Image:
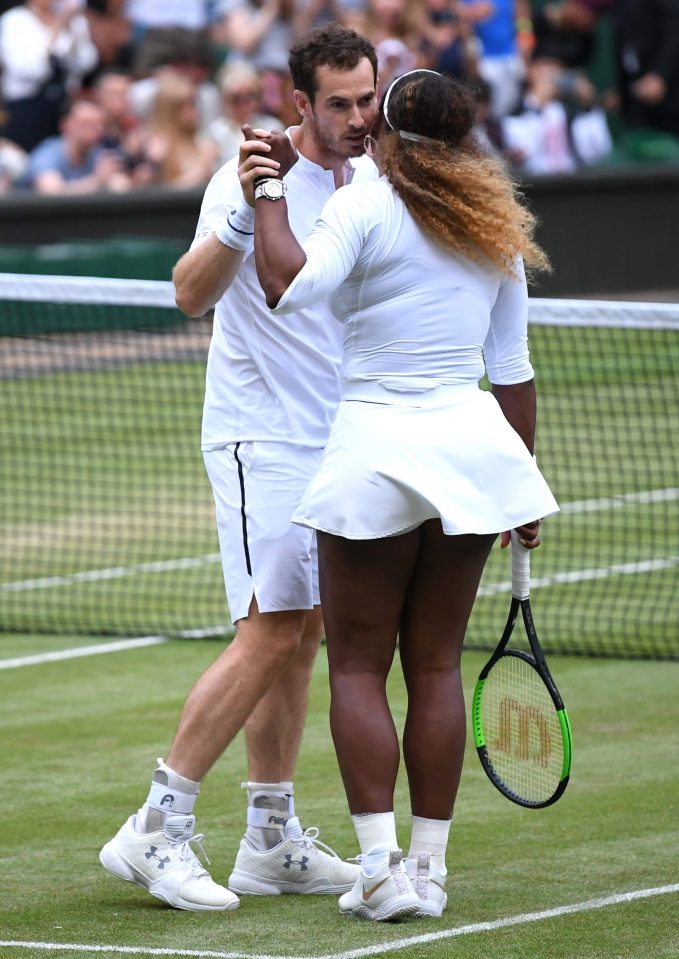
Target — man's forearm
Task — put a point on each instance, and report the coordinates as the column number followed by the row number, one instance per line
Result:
column 202, row 276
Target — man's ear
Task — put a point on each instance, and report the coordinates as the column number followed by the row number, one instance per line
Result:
column 303, row 104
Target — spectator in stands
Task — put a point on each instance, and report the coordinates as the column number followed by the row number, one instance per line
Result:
column 169, row 32
column 449, row 40
column 13, row 161
column 45, row 51
column 241, row 90
column 122, row 130
column 394, row 58
column 77, row 161
column 498, row 26
column 13, row 164
column 384, row 20
column 565, row 30
column 111, row 90
column 647, row 33
column 407, row 38
column 111, row 32
column 486, row 129
column 262, row 32
column 143, row 92
column 182, row 156
column 558, row 127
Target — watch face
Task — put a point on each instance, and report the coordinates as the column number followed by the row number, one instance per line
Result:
column 273, row 189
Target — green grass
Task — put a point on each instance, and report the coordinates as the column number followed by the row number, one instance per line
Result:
column 79, row 743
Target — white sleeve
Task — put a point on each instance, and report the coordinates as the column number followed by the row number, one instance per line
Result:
column 332, row 249
column 506, row 346
column 223, row 194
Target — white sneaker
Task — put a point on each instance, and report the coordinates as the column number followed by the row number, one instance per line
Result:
column 164, row 863
column 429, row 882
column 295, row 865
column 386, row 893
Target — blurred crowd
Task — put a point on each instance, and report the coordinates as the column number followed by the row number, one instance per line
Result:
column 113, row 95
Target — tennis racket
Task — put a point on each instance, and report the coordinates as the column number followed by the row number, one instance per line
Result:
column 521, row 728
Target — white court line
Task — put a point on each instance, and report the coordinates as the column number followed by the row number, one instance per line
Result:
column 615, row 502
column 113, row 572
column 586, row 575
column 77, row 651
column 187, row 562
column 376, row 950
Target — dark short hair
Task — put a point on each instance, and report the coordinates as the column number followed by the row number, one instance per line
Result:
column 330, row 45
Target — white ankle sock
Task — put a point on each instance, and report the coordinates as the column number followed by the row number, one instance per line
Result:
column 430, row 835
column 270, row 805
column 170, row 794
column 375, row 829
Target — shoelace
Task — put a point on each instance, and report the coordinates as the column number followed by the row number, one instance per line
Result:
column 309, row 838
column 182, row 846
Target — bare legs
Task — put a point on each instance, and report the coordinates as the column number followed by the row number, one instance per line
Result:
column 363, row 587
column 422, row 584
column 250, row 683
column 273, row 732
column 440, row 598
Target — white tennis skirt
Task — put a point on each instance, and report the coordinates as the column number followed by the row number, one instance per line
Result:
column 395, row 459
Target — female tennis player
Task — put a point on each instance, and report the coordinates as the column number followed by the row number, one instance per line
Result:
column 423, row 469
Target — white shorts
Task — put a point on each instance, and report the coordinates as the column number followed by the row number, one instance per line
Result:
column 257, row 486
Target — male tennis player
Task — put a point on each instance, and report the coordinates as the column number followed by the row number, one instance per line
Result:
column 271, row 392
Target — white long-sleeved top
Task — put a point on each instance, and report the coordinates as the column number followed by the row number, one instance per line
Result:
column 415, row 315
column 24, row 51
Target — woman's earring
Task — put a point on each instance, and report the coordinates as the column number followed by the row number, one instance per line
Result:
column 369, row 145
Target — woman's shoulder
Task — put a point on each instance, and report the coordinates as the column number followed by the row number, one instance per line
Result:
column 359, row 209
column 378, row 191
column 366, row 199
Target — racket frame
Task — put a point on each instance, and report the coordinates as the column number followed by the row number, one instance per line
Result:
column 535, row 659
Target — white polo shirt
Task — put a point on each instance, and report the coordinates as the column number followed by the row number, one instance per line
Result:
column 270, row 377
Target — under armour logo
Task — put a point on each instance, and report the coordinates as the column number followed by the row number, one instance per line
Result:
column 153, row 854
column 167, row 800
column 302, row 863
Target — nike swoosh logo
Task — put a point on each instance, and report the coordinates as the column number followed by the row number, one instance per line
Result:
column 367, row 893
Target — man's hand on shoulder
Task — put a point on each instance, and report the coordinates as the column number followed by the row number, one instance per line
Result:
column 263, row 153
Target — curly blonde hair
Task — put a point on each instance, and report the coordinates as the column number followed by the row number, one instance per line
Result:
column 462, row 197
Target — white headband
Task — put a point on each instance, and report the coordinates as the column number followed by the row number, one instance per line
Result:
column 417, row 137
column 393, row 83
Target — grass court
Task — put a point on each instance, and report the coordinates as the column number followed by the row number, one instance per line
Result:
column 79, row 745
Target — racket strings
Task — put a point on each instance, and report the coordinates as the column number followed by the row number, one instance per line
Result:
column 522, row 732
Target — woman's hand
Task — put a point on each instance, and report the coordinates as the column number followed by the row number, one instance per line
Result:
column 529, row 535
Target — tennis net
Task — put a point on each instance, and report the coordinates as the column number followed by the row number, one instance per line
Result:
column 106, row 515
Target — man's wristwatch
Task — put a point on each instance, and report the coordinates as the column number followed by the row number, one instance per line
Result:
column 270, row 188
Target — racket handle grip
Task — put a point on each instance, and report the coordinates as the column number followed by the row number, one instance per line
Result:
column 520, row 569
